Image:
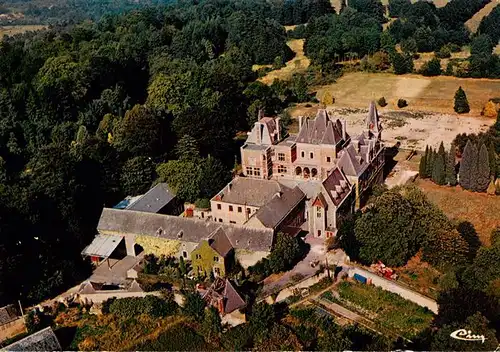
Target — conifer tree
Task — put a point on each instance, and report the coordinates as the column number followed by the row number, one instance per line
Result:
column 467, row 165
column 441, row 149
column 473, row 171
column 492, row 156
column 438, row 173
column 428, row 163
column 482, row 170
column 422, row 165
column 461, row 104
column 451, row 176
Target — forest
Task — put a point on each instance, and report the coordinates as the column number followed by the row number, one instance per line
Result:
column 93, row 112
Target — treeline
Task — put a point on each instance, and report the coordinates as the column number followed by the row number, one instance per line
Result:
column 61, row 12
column 94, row 112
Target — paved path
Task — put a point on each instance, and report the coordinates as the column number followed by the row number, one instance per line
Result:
column 316, row 253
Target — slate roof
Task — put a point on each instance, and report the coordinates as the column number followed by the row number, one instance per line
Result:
column 373, row 120
column 154, row 199
column 43, row 340
column 250, row 191
column 350, row 164
column 333, row 186
column 263, row 132
column 321, row 130
column 115, row 221
column 233, row 298
column 8, row 314
column 271, row 214
column 219, row 242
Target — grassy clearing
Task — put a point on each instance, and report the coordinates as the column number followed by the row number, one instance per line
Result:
column 389, row 310
column 424, row 57
column 474, row 21
column 482, row 210
column 298, row 64
column 422, row 93
column 420, row 276
column 13, row 30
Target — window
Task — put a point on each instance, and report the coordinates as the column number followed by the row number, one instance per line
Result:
column 239, row 209
column 319, row 233
column 311, row 155
column 318, row 212
column 184, row 254
column 281, row 169
column 202, row 215
column 216, row 259
column 217, row 271
column 248, row 210
column 281, row 156
column 199, row 268
column 303, row 154
column 328, row 159
column 256, row 171
column 230, row 208
column 263, row 158
column 232, row 222
column 249, row 171
column 198, row 256
column 220, row 220
column 219, row 207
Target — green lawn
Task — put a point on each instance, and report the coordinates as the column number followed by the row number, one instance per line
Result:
column 390, row 310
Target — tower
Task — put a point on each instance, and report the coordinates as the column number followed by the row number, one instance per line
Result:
column 373, row 126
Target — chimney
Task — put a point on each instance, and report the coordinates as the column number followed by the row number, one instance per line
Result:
column 300, row 123
column 258, row 127
column 278, row 129
column 344, row 127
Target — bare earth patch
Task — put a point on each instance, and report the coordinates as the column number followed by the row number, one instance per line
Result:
column 474, row 21
column 298, row 64
column 414, row 129
column 434, row 94
column 13, row 30
column 482, row 210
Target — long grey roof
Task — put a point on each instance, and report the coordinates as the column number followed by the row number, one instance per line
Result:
column 102, row 246
column 43, row 340
column 116, row 221
column 271, row 214
column 154, row 199
column 250, row 191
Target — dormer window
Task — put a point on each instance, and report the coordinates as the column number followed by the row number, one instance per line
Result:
column 302, row 154
column 159, row 232
column 179, row 235
column 311, row 155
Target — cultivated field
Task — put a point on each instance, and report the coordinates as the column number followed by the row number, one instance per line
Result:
column 433, row 94
column 13, row 30
column 475, row 20
column 299, row 63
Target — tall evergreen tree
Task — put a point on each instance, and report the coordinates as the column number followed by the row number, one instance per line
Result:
column 467, row 165
column 473, row 172
column 422, row 166
column 428, row 163
column 451, row 176
column 492, row 157
column 461, row 103
column 482, row 170
column 438, row 173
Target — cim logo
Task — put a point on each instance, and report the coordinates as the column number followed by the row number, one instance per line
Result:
column 466, row 335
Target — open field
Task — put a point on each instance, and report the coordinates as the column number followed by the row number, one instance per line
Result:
column 299, row 63
column 474, row 21
column 482, row 210
column 414, row 130
column 13, row 30
column 422, row 93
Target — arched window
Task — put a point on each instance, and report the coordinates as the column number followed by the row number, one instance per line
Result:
column 298, row 171
column 314, row 173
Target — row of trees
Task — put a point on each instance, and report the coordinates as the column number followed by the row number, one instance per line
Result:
column 439, row 165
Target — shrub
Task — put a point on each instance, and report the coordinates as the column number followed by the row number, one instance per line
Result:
column 431, row 67
column 382, row 102
column 151, row 305
column 402, row 103
column 203, row 203
column 461, row 103
column 443, row 53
